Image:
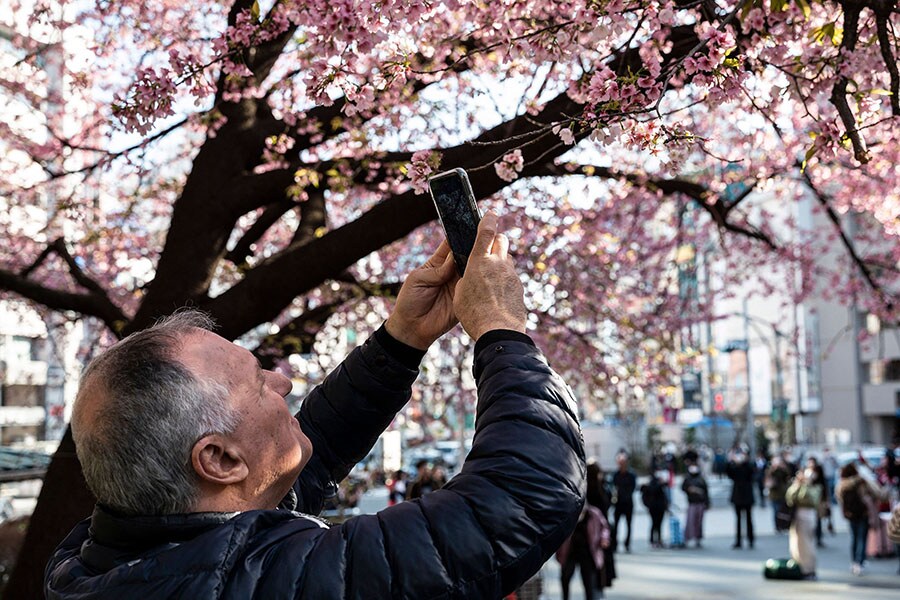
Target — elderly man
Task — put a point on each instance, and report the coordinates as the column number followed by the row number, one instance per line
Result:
column 205, row 482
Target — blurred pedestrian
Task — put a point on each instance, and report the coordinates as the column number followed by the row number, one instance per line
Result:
column 690, row 456
column 879, row 545
column 855, row 495
column 830, row 471
column 706, row 460
column 787, row 455
column 438, row 477
column 694, row 485
column 778, row 478
column 668, row 459
column 894, row 468
column 823, row 511
column 423, row 483
column 720, row 462
column 740, row 471
column 894, row 530
column 759, row 476
column 653, row 495
column 804, row 496
column 624, row 485
column 584, row 549
column 397, row 488
column 599, row 497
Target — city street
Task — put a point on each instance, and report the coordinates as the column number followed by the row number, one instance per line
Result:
column 717, row 572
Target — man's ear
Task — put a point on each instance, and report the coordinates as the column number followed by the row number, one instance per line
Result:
column 217, row 461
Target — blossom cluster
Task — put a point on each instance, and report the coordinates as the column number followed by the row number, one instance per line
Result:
column 509, row 167
column 422, row 165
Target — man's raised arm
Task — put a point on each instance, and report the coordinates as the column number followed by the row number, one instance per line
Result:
column 344, row 416
column 520, row 490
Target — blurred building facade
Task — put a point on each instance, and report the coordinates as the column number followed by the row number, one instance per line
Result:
column 820, row 372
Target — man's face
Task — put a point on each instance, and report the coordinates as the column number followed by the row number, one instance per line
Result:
column 268, row 437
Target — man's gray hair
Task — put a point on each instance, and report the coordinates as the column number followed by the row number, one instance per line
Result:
column 136, row 452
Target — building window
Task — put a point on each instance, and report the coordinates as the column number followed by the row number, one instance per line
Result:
column 892, row 370
column 882, row 371
column 25, row 348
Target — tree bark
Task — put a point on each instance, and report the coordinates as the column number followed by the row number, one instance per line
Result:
column 64, row 501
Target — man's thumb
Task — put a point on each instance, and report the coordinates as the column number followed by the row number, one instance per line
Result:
column 487, row 229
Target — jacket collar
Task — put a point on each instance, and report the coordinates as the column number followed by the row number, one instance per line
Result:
column 112, row 529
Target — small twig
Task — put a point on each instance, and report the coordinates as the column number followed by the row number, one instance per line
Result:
column 490, row 47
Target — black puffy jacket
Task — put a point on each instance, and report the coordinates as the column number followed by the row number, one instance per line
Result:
column 516, row 499
column 741, row 474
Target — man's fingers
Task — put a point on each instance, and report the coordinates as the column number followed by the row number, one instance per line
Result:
column 500, row 247
column 440, row 255
column 447, row 270
column 486, row 231
column 432, row 274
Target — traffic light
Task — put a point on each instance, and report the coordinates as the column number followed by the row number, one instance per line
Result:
column 719, row 405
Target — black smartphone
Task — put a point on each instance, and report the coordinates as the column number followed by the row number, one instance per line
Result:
column 459, row 215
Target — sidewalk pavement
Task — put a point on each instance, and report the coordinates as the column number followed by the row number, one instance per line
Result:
column 718, row 572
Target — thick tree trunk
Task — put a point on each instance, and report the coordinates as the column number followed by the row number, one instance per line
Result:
column 64, row 501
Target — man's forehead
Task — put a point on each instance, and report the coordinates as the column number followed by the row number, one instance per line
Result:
column 205, row 352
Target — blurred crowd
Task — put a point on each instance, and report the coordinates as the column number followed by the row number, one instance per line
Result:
column 806, row 490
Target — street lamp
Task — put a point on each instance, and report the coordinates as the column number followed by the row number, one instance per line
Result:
column 779, row 403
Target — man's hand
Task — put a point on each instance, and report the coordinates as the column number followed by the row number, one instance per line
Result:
column 424, row 309
column 490, row 295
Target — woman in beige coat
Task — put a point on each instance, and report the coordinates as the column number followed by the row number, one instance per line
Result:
column 804, row 495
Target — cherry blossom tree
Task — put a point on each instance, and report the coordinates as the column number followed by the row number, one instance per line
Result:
column 267, row 162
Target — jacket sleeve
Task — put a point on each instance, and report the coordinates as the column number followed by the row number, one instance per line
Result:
column 344, row 416
column 516, row 499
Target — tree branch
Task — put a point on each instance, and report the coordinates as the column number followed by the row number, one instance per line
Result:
column 114, row 317
column 839, row 91
column 110, row 156
column 27, row 271
column 85, row 304
column 884, row 41
column 243, row 249
column 847, row 242
column 313, row 217
column 298, row 336
column 718, row 210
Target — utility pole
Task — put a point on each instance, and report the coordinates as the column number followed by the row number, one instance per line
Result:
column 751, row 433
column 797, row 372
column 781, row 402
column 708, row 408
column 857, row 357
